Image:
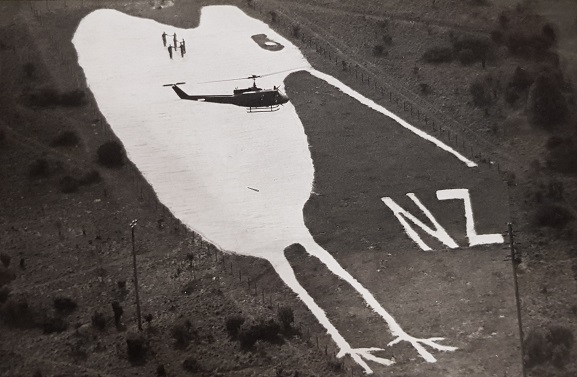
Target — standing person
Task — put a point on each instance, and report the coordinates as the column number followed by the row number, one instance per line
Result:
column 181, row 50
column 170, row 51
column 164, row 38
column 183, row 47
column 174, row 39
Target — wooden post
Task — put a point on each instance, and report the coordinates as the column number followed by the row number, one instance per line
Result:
column 514, row 260
column 132, row 226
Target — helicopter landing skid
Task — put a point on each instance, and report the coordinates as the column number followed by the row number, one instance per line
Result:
column 265, row 109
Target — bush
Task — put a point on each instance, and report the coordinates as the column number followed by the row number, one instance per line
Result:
column 286, row 316
column 552, row 216
column 251, row 332
column 438, row 55
column 98, row 321
column 17, row 312
column 6, row 276
column 136, row 348
column 50, row 97
column 296, row 30
column 65, row 139
column 546, row 103
column 5, row 259
column 273, row 16
column 110, row 154
column 481, row 93
column 233, row 324
column 562, row 155
column 425, row 88
column 68, row 184
column 379, row 50
column 93, row 176
column 478, row 46
column 54, row 324
column 190, row 364
column 182, row 334
column 551, row 345
column 4, row 294
column 466, row 56
column 39, row 168
column 64, row 305
column 118, row 311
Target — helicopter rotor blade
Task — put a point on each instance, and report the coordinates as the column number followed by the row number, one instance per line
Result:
column 253, row 77
column 177, row 83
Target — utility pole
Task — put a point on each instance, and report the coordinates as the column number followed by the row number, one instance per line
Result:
column 132, row 226
column 515, row 259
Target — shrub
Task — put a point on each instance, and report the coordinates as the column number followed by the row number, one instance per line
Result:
column 552, row 216
column 64, row 305
column 110, row 154
column 286, row 316
column 190, row 364
column 98, row 321
column 546, row 103
column 6, row 276
column 481, row 93
column 466, row 56
column 65, row 139
column 136, row 348
column 233, row 324
column 296, row 30
column 68, row 184
column 17, row 312
column 251, row 332
column 551, row 345
column 182, row 334
column 4, row 294
column 378, row 50
column 387, row 39
column 93, row 176
column 438, row 55
column 54, row 324
column 29, row 70
column 425, row 88
column 39, row 168
column 273, row 16
column 73, row 98
column 5, row 259
column 118, row 311
column 479, row 46
column 562, row 155
column 50, row 97
column 497, row 36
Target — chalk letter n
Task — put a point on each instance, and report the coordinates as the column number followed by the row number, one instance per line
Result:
column 402, row 215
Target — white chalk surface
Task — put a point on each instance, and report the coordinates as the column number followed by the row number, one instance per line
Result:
column 239, row 179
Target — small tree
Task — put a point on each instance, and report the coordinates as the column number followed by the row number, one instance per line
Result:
column 65, row 305
column 233, row 324
column 546, row 103
column 286, row 316
column 5, row 259
column 99, row 321
column 136, row 348
column 110, row 154
column 118, row 311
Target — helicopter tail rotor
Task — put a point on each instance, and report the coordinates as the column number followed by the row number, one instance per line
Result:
column 175, row 84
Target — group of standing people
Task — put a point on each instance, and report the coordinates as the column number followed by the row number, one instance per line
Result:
column 177, row 45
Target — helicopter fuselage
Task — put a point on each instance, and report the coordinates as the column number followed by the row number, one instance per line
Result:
column 252, row 97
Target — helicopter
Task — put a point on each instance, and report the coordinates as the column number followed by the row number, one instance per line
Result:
column 253, row 98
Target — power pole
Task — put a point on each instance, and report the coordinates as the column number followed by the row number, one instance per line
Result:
column 132, row 226
column 515, row 259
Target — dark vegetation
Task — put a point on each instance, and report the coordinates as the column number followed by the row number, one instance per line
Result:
column 438, row 54
column 39, row 169
column 111, row 154
column 65, row 139
column 552, row 216
column 65, row 305
column 136, row 348
column 260, row 330
column 54, row 325
column 68, row 184
column 50, row 97
column 98, row 321
column 551, row 345
column 182, row 334
column 232, row 325
column 562, row 154
column 5, row 259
